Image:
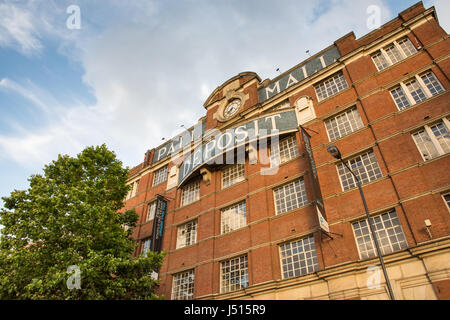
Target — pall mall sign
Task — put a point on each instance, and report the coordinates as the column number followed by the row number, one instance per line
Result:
column 179, row 142
column 158, row 224
column 299, row 73
column 224, row 142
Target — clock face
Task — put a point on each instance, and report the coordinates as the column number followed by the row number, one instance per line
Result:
column 232, row 108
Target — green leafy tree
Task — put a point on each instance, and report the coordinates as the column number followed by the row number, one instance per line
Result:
column 71, row 216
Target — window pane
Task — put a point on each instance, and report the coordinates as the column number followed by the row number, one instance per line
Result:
column 233, row 217
column 286, row 150
column 183, row 286
column 442, row 135
column 331, row 86
column 393, row 53
column 160, row 176
column 365, row 167
column 187, row 234
column 425, row 145
column 407, row 46
column 232, row 174
column 432, row 83
column 151, row 211
column 380, row 61
column 190, row 193
column 400, row 98
column 389, row 234
column 343, row 124
column 447, row 199
column 146, row 247
column 290, row 196
column 234, row 274
column 416, row 91
column 298, row 257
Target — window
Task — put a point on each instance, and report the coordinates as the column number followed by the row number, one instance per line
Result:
column 190, row 193
column 187, row 234
column 416, row 90
column 400, row 98
column 331, row 86
column 290, row 196
column 146, row 246
column 380, row 61
column 151, row 211
column 234, row 274
column 433, row 85
column 433, row 140
column 441, row 133
column 233, row 217
column 134, row 188
column 286, row 150
column 343, row 124
column 388, row 231
column 407, row 46
column 365, row 167
column 393, row 53
column 160, row 176
column 232, row 174
column 447, row 200
column 298, row 257
column 183, row 285
column 128, row 196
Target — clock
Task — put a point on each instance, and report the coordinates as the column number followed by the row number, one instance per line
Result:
column 232, row 108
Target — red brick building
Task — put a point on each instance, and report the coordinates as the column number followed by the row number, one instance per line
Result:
column 251, row 230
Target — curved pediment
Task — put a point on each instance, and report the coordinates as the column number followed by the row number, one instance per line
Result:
column 233, row 83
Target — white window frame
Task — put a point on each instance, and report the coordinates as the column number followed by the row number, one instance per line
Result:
column 287, row 146
column 421, row 84
column 383, row 55
column 151, row 211
column 146, row 243
column 398, row 41
column 432, row 138
column 160, row 175
column 234, row 217
column 190, row 188
column 187, row 237
column 347, row 160
column 134, row 188
column 369, row 234
column 386, row 56
column 340, row 75
column 184, row 289
column 359, row 124
column 232, row 174
column 303, row 196
column 445, row 201
column 128, row 196
column 244, row 270
column 310, row 257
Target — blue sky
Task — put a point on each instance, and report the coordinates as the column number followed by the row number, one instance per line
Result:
column 137, row 70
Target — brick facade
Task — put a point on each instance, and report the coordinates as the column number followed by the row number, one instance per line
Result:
column 414, row 187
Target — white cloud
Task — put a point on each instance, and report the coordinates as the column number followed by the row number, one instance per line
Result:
column 153, row 64
column 17, row 29
column 29, row 94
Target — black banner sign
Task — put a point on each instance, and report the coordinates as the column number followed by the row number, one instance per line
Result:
column 318, row 201
column 158, row 224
